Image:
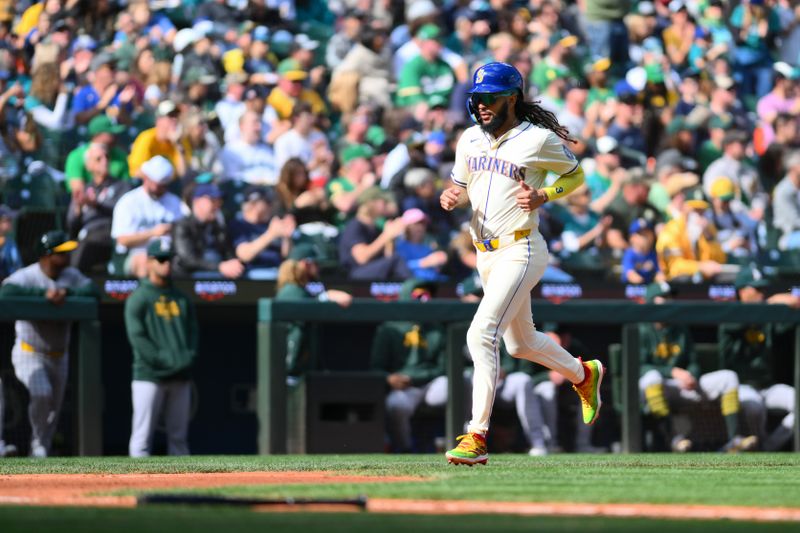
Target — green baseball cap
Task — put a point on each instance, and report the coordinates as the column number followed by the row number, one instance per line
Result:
column 355, row 151
column 720, row 122
column 429, row 31
column 750, row 276
column 103, row 124
column 160, row 248
column 375, row 193
column 56, row 242
column 375, row 135
column 304, row 250
column 679, row 123
column 659, row 289
column 654, row 72
column 291, row 70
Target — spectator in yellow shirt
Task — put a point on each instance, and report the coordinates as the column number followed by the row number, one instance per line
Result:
column 688, row 247
column 290, row 90
column 163, row 140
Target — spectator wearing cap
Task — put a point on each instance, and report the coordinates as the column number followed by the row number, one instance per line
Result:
column 231, row 107
column 356, row 177
column 162, row 140
column 786, row 204
column 41, row 350
column 680, row 135
column 146, row 212
column 271, row 127
column 553, row 65
column 90, row 213
column 687, row 246
column 630, row 205
column 626, row 126
column 304, row 142
column 102, row 131
column 101, row 93
column 261, row 238
column 365, row 251
column 290, row 90
column 351, row 24
column 597, row 78
column 419, row 249
column 426, row 74
column 583, row 229
column 783, row 98
column 202, row 245
column 249, row 159
column 10, row 260
column 260, row 60
column 679, row 35
column 755, row 26
column 197, row 85
column 367, row 68
column 736, row 231
column 303, row 49
column 733, row 165
column 640, row 261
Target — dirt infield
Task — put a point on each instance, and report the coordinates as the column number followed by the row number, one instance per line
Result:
column 84, row 490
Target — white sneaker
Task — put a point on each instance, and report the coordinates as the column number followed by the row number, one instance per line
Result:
column 537, row 451
column 37, row 450
column 7, row 450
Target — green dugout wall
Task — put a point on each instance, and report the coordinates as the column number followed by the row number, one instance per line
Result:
column 274, row 316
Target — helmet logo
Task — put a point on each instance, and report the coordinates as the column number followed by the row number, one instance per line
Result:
column 479, row 76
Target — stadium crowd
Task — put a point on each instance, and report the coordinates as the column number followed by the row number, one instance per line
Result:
column 245, row 127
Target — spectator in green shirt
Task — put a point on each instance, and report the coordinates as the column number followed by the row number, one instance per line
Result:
column 101, row 131
column 426, row 75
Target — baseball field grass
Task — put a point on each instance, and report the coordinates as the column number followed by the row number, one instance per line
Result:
column 752, row 480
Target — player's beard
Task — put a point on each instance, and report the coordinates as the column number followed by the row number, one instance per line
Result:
column 499, row 119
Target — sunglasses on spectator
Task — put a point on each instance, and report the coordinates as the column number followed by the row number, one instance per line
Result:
column 491, row 98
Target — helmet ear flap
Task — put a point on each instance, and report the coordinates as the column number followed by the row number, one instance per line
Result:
column 472, row 110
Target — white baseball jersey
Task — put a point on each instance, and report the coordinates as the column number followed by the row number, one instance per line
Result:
column 490, row 169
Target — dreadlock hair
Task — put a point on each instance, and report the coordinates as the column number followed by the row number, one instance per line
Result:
column 533, row 112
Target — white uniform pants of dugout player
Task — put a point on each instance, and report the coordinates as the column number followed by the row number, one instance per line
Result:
column 45, row 377
column 508, row 275
column 515, row 390
column 174, row 398
column 756, row 403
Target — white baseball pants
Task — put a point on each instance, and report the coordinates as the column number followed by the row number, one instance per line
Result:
column 508, row 276
column 45, row 377
column 149, row 399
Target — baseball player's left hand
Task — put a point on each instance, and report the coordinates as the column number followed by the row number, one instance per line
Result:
column 529, row 199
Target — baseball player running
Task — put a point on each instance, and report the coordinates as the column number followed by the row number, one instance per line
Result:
column 500, row 169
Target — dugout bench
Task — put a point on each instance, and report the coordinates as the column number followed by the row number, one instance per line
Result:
column 274, row 317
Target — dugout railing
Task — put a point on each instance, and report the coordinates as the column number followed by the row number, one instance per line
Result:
column 275, row 317
column 87, row 361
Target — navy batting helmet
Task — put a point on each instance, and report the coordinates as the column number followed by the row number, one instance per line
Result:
column 496, row 78
column 493, row 78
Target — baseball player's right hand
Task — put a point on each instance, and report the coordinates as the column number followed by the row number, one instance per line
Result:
column 161, row 229
column 449, row 198
column 398, row 381
column 56, row 296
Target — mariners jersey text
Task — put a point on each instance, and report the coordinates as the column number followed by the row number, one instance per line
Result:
column 494, row 164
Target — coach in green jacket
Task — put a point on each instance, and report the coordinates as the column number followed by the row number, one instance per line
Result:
column 162, row 329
